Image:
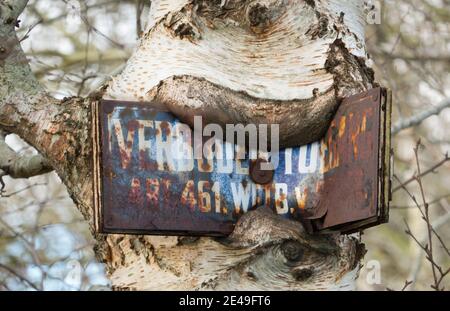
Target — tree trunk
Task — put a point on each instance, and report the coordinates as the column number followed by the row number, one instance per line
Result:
column 231, row 61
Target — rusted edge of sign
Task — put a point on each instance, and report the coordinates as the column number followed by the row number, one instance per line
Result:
column 96, row 167
column 385, row 156
column 385, row 171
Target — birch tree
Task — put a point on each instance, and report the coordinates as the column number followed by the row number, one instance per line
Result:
column 231, row 61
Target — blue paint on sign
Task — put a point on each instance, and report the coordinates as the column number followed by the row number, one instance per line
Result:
column 151, row 158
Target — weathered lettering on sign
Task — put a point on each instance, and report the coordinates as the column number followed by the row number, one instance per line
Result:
column 148, row 179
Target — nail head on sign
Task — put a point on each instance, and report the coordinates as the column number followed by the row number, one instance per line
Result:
column 259, row 175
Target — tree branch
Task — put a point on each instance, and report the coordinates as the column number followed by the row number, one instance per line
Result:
column 422, row 174
column 438, row 272
column 18, row 166
column 18, row 276
column 58, row 129
column 12, row 9
column 15, row 73
column 420, row 117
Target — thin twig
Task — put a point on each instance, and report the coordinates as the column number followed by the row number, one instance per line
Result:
column 28, row 245
column 17, row 275
column 27, row 34
column 20, row 190
column 2, row 183
column 407, row 283
column 431, row 230
column 405, row 286
column 139, row 8
column 437, row 200
column 420, row 175
column 427, row 215
column 97, row 31
column 420, row 117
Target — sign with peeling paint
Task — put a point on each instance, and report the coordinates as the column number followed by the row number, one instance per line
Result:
column 148, row 179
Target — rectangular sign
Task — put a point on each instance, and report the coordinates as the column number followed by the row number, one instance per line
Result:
column 149, row 181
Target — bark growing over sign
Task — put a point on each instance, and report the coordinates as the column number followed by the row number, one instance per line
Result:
column 264, row 61
column 268, row 61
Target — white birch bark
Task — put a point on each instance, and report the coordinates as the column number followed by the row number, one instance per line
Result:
column 232, row 61
column 235, row 61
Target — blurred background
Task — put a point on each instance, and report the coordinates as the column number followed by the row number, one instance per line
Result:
column 76, row 46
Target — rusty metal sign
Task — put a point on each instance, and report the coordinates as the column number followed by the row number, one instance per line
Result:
column 142, row 185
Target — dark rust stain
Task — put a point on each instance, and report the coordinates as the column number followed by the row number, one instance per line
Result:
column 357, row 172
column 165, row 127
column 206, row 167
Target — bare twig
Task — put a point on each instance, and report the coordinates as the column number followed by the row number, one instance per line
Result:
column 82, row 11
column 18, row 276
column 421, row 116
column 26, row 35
column 438, row 272
column 28, row 244
column 140, row 4
column 2, row 195
column 96, row 30
column 437, row 200
column 435, row 225
column 427, row 216
column 2, row 183
column 422, row 174
column 407, row 283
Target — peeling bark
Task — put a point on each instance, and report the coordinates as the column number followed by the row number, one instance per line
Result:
column 262, row 61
